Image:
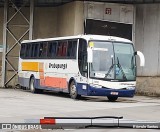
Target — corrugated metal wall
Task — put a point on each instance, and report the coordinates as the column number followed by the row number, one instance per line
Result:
column 148, row 38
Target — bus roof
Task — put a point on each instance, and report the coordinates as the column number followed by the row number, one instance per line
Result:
column 87, row 37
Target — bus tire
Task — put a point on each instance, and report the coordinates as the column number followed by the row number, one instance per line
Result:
column 32, row 87
column 24, row 88
column 73, row 91
column 112, row 98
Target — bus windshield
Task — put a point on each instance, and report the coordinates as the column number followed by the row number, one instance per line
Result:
column 113, row 60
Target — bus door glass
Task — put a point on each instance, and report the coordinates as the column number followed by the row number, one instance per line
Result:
column 82, row 57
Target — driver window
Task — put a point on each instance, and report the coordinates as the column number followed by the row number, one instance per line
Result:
column 82, row 57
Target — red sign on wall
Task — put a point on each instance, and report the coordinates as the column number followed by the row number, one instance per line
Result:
column 108, row 11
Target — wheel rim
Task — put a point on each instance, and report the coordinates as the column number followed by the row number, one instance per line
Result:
column 32, row 86
column 73, row 90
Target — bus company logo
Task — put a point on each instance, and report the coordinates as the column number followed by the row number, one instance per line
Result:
column 57, row 66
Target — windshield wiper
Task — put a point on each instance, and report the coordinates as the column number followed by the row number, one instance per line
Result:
column 119, row 65
column 111, row 67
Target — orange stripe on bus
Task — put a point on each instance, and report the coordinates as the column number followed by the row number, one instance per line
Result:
column 56, row 82
column 30, row 66
column 41, row 74
column 41, row 67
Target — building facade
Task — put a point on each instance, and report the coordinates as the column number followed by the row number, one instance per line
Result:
column 139, row 23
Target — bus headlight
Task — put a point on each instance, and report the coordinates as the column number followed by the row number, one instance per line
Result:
column 130, row 88
column 95, row 86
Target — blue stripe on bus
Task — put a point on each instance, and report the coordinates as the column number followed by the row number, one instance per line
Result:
column 107, row 92
column 92, row 91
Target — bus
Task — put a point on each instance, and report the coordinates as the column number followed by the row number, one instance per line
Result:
column 82, row 65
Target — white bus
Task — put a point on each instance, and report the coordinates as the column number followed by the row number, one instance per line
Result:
column 89, row 65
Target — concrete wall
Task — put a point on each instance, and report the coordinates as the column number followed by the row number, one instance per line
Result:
column 70, row 19
column 58, row 21
column 148, row 41
column 79, row 18
column 148, row 86
column 1, row 32
column 66, row 18
column 1, row 25
column 148, row 38
column 45, row 22
column 49, row 22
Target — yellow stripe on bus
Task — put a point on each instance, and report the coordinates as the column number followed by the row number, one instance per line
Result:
column 30, row 66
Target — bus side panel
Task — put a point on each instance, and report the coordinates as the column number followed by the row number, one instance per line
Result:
column 23, row 81
column 27, row 68
column 38, row 86
column 82, row 88
column 59, row 72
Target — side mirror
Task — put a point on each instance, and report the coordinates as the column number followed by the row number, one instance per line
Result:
column 141, row 56
column 89, row 55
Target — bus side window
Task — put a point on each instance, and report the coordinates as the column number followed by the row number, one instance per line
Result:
column 52, row 49
column 62, row 49
column 40, row 49
column 59, row 52
column 72, row 48
column 28, row 51
column 43, row 49
column 34, row 51
column 82, row 57
column 23, row 50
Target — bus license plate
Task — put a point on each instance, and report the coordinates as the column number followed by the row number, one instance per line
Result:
column 114, row 93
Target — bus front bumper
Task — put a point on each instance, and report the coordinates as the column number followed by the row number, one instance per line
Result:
column 92, row 91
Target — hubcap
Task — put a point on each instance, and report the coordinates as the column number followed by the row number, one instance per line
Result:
column 73, row 90
column 32, row 87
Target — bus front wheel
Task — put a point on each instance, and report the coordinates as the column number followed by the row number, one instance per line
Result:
column 112, row 98
column 73, row 91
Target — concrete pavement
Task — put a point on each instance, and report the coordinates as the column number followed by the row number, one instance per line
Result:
column 18, row 105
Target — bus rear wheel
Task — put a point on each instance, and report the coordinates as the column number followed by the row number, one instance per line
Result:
column 112, row 98
column 73, row 91
column 32, row 86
